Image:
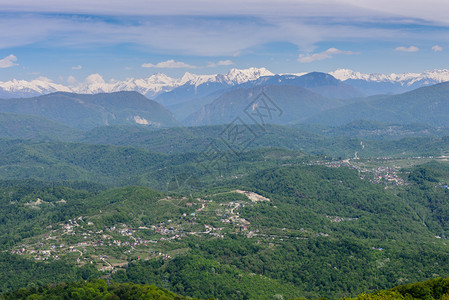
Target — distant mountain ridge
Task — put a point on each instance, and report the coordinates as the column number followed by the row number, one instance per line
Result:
column 426, row 105
column 150, row 87
column 375, row 83
column 321, row 83
column 159, row 83
column 407, row 79
column 185, row 100
column 295, row 102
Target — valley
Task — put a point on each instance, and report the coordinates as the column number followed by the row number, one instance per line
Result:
column 281, row 186
column 257, row 215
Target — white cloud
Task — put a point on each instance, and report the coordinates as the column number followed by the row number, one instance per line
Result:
column 308, row 58
column 431, row 10
column 407, row 49
column 94, row 79
column 437, row 48
column 197, row 36
column 197, row 30
column 78, row 67
column 226, row 62
column 43, row 78
column 169, row 64
column 8, row 61
column 72, row 80
column 428, row 10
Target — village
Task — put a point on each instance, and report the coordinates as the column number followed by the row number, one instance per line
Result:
column 113, row 247
column 382, row 170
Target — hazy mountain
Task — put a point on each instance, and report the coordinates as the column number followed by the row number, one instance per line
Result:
column 199, row 86
column 428, row 105
column 184, row 109
column 88, row 111
column 295, row 103
column 321, row 83
column 16, row 126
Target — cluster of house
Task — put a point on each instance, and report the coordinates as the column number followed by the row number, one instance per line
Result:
column 386, row 174
column 111, row 236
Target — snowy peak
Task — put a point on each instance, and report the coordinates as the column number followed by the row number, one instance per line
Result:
column 408, row 79
column 234, row 76
column 196, row 80
column 38, row 86
column 238, row 76
column 345, row 74
column 160, row 78
column 152, row 86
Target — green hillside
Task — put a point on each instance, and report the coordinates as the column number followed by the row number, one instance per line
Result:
column 96, row 289
column 433, row 289
column 15, row 126
column 426, row 105
column 377, row 139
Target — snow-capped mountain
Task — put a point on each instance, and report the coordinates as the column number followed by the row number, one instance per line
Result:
column 236, row 76
column 159, row 83
column 151, row 86
column 435, row 76
column 392, row 83
column 36, row 87
column 192, row 86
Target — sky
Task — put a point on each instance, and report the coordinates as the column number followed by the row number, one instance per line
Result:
column 69, row 40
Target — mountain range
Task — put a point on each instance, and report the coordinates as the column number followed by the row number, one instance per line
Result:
column 151, row 87
column 288, row 104
column 198, row 100
column 187, row 100
column 426, row 105
column 159, row 84
column 85, row 111
column 373, row 84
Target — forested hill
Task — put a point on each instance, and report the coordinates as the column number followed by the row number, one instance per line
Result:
column 96, row 289
column 435, row 289
column 87, row 111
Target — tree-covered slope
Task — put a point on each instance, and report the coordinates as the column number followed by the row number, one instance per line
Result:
column 428, row 105
column 88, row 111
column 96, row 289
column 15, row 126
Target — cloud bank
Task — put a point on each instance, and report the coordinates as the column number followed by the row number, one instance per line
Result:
column 8, row 61
column 407, row 49
column 308, row 58
column 169, row 64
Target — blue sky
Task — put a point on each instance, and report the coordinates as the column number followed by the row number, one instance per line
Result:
column 122, row 39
